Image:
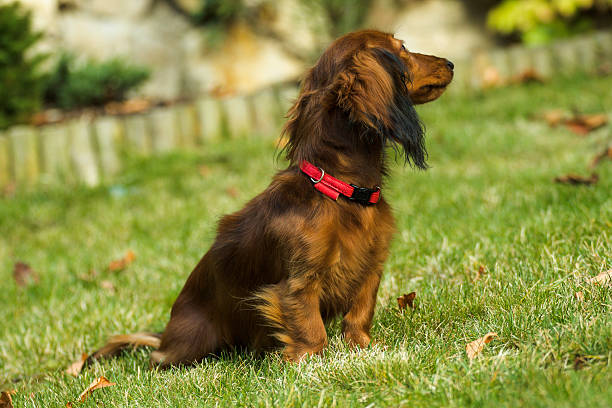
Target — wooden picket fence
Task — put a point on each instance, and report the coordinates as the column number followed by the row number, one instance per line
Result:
column 90, row 149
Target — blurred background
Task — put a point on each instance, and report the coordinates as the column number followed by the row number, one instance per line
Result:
column 60, row 59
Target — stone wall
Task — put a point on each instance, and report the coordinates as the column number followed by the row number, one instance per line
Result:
column 251, row 55
column 183, row 59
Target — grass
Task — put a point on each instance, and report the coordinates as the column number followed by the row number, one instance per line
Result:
column 488, row 199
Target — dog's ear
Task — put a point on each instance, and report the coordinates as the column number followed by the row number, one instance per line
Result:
column 373, row 91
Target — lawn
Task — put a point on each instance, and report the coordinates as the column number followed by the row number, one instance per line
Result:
column 489, row 199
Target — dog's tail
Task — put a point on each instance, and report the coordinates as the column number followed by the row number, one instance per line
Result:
column 268, row 303
column 117, row 344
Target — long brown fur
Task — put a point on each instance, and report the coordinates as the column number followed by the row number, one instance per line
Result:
column 292, row 258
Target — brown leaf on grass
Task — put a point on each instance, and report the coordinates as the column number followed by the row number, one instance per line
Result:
column 575, row 179
column 89, row 276
column 605, row 154
column 604, row 69
column 204, row 170
column 108, row 285
column 6, row 400
column 120, row 264
column 554, row 117
column 579, row 296
column 583, row 124
column 406, row 300
column 491, row 78
column 9, row 189
column 76, row 367
column 480, row 272
column 24, row 275
column 529, row 75
column 232, row 192
column 474, row 348
column 603, row 279
column 96, row 384
column 580, row 362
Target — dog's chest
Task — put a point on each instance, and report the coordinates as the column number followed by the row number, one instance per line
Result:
column 352, row 246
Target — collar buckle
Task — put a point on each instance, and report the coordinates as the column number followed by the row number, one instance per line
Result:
column 362, row 194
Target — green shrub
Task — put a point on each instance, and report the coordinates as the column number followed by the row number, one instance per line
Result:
column 343, row 16
column 21, row 81
column 71, row 86
column 540, row 21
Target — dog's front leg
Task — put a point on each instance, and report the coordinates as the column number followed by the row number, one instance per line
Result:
column 358, row 321
column 292, row 306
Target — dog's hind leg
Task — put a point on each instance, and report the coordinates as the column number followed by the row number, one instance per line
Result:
column 189, row 337
column 292, row 308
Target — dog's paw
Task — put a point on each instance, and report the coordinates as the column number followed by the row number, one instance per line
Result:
column 297, row 353
column 157, row 359
column 356, row 339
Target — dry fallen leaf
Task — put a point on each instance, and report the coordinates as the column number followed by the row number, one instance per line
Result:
column 474, row 348
column 204, row 170
column 554, row 117
column 76, row 367
column 121, row 264
column 98, row 383
column 9, row 189
column 232, row 191
column 491, row 77
column 604, row 69
column 580, row 362
column 6, row 401
column 583, row 124
column 579, row 296
column 127, row 107
column 89, row 276
column 24, row 275
column 576, row 179
column 606, row 154
column 406, row 300
column 528, row 76
column 108, row 285
column 482, row 271
column 603, row 279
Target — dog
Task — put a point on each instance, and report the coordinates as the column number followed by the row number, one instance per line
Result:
column 312, row 245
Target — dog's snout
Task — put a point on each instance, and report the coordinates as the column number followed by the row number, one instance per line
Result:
column 450, row 65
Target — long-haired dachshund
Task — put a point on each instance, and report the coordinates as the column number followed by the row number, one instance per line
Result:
column 312, row 245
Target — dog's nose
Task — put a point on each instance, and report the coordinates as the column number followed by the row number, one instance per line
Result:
column 450, row 65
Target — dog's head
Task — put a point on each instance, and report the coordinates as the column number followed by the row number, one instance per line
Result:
column 375, row 80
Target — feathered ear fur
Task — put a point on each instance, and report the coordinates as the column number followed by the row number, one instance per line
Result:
column 372, row 90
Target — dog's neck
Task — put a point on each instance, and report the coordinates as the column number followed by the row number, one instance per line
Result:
column 344, row 150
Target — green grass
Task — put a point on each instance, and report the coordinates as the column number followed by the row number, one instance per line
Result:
column 488, row 198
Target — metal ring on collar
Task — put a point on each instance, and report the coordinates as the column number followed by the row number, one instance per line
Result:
column 322, row 175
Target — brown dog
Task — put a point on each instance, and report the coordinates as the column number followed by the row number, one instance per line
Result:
column 311, row 246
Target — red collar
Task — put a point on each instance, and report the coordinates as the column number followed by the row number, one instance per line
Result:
column 332, row 187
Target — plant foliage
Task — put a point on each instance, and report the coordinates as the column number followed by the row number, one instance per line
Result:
column 21, row 80
column 71, row 86
column 343, row 15
column 539, row 21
